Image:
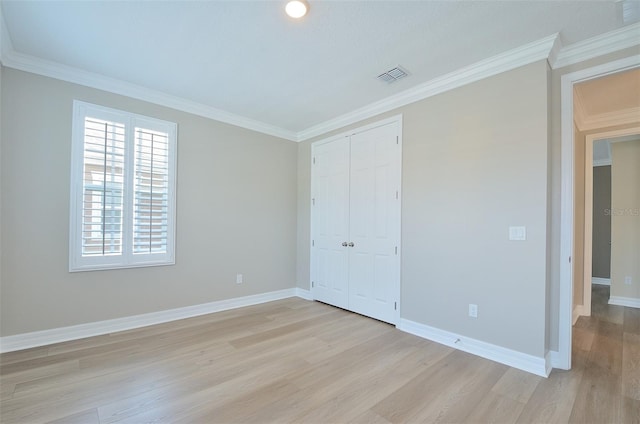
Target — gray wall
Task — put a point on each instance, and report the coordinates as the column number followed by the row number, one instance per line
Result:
column 236, row 206
column 601, row 254
column 474, row 163
column 303, row 270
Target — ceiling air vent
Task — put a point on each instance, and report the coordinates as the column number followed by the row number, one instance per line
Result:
column 629, row 11
column 392, row 75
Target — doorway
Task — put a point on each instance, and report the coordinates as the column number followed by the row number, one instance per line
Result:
column 597, row 250
column 568, row 204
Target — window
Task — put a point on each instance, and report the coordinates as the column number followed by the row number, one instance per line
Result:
column 122, row 190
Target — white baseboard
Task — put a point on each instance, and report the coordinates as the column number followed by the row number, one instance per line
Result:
column 547, row 363
column 578, row 311
column 512, row 358
column 631, row 302
column 63, row 334
column 554, row 361
column 304, row 294
column 601, row 281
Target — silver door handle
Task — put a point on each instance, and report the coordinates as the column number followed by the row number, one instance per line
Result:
column 351, row 244
column 344, row 244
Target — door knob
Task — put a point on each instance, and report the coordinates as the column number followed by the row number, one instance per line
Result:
column 351, row 244
column 344, row 243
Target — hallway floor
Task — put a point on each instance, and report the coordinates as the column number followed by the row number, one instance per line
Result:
column 606, row 352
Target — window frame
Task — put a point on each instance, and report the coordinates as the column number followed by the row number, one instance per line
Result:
column 127, row 258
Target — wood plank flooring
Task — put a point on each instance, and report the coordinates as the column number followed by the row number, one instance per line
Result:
column 299, row 361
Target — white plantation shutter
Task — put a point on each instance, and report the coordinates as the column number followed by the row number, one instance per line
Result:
column 151, row 187
column 122, row 190
column 103, row 181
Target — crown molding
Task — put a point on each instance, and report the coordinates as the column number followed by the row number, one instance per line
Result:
column 609, row 119
column 555, row 50
column 600, row 45
column 588, row 122
column 34, row 65
column 524, row 55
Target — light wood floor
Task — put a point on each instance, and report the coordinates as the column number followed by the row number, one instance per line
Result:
column 299, row 361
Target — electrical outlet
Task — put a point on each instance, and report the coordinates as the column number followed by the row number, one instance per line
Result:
column 238, row 278
column 473, row 310
column 627, row 281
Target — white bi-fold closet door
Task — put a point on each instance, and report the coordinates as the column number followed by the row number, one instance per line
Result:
column 355, row 220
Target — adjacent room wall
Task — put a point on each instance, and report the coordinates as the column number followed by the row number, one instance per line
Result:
column 236, row 213
column 474, row 163
column 601, row 265
column 625, row 219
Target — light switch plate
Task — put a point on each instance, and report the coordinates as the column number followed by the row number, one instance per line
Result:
column 473, row 310
column 517, row 233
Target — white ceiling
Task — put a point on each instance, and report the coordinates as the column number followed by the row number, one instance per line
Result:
column 247, row 58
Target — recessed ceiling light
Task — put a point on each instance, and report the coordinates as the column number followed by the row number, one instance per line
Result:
column 296, row 8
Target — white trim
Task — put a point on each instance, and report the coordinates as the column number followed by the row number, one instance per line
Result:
column 555, row 51
column 382, row 122
column 548, row 363
column 303, row 293
column 602, row 162
column 553, row 357
column 563, row 358
column 63, row 334
column 629, row 302
column 609, row 119
column 565, row 313
column 512, row 358
column 524, row 55
column 601, row 281
column 578, row 311
column 599, row 45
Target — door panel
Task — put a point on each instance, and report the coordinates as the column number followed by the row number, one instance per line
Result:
column 373, row 279
column 330, row 222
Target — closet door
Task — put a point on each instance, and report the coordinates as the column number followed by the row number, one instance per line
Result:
column 330, row 222
column 374, row 222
